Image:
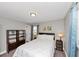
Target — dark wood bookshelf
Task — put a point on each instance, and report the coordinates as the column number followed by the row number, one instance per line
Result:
column 15, row 34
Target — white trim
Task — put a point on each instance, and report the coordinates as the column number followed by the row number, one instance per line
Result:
column 2, row 52
column 65, row 52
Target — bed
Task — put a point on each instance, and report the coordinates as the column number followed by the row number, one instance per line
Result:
column 43, row 46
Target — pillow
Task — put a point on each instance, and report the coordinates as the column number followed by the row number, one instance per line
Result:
column 49, row 37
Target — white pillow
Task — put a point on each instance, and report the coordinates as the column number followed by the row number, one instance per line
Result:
column 49, row 37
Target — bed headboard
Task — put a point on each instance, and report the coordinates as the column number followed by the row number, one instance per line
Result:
column 48, row 34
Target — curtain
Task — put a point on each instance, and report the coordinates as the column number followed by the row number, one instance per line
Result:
column 73, row 31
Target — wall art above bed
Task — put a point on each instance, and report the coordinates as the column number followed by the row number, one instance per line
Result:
column 47, row 28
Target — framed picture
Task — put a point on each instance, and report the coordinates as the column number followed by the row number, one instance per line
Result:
column 49, row 28
column 44, row 29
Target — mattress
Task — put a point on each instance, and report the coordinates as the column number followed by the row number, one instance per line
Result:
column 43, row 46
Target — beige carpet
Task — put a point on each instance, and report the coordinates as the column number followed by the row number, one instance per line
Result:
column 57, row 54
column 10, row 54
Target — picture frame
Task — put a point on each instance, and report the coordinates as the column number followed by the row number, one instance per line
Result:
column 49, row 28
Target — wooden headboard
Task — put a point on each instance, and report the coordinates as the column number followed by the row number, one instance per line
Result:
column 48, row 34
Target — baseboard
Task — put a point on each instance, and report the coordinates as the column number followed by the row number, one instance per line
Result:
column 2, row 52
column 65, row 52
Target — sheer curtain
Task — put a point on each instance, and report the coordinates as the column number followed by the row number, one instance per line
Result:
column 73, row 31
column 78, row 32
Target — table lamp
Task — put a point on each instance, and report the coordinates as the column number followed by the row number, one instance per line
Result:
column 61, row 34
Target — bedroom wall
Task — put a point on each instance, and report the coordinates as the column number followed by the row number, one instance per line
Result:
column 56, row 25
column 7, row 25
column 0, row 35
column 67, row 30
column 28, row 33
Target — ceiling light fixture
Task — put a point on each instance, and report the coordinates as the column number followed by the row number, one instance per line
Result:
column 32, row 14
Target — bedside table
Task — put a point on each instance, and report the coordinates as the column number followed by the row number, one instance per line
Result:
column 59, row 45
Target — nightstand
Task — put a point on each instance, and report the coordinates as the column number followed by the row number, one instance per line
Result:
column 59, row 45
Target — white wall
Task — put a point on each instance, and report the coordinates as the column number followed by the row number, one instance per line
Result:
column 28, row 33
column 0, row 36
column 57, row 27
column 8, row 25
column 67, row 30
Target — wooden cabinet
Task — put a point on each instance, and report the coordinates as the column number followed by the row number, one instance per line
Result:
column 59, row 45
column 15, row 38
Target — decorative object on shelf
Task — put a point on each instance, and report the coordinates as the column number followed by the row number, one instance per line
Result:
column 61, row 34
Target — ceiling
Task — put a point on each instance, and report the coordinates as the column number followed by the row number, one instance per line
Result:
column 46, row 11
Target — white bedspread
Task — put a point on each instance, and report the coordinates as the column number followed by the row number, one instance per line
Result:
column 43, row 47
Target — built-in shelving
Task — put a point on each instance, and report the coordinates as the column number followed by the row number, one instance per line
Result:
column 15, row 38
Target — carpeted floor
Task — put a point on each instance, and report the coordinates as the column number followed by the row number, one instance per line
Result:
column 57, row 54
column 10, row 54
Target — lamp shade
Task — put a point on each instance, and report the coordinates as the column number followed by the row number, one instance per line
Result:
column 61, row 34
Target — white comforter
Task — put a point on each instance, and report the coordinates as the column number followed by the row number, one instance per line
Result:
column 40, row 47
